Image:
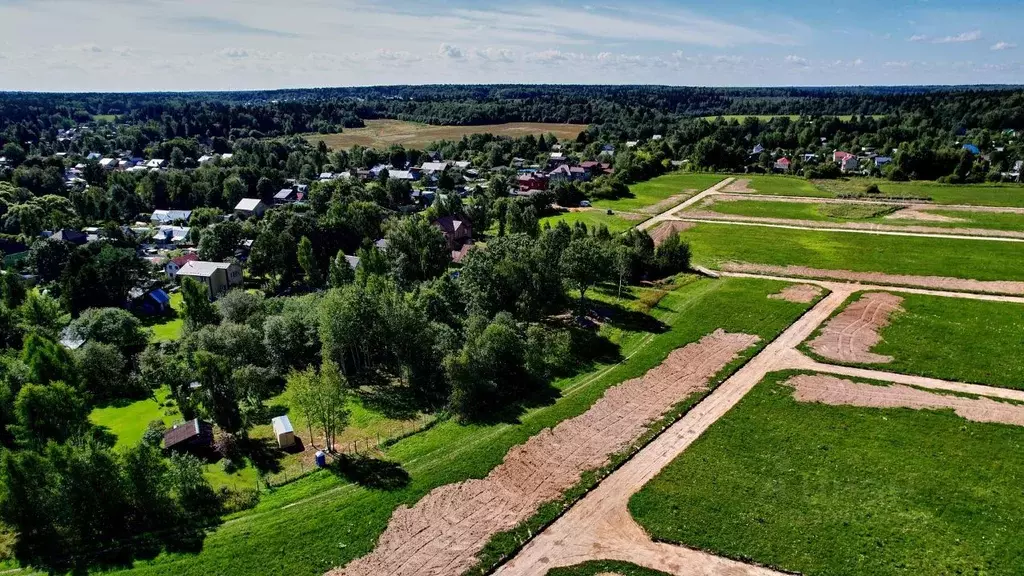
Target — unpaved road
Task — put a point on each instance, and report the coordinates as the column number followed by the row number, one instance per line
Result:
column 667, row 215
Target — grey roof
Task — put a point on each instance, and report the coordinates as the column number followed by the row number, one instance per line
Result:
column 284, row 194
column 434, row 166
column 202, row 269
column 248, row 204
column 282, row 425
column 353, row 261
column 170, row 215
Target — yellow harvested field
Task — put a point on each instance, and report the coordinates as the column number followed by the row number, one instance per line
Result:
column 384, row 133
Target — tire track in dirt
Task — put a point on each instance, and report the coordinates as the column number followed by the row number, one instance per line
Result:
column 443, row 532
column 842, row 392
column 849, row 337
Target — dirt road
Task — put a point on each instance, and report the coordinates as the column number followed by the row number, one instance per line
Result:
column 599, row 527
column 667, row 215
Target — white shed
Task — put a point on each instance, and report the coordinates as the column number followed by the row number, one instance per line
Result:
column 284, row 432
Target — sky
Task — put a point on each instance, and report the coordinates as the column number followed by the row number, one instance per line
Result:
column 178, row 45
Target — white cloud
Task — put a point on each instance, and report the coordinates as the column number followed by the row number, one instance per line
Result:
column 492, row 54
column 797, row 60
column 972, row 36
column 448, row 51
column 234, row 53
column 1003, row 46
column 918, row 38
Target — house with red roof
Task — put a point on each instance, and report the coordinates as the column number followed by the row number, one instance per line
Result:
column 783, row 164
column 175, row 264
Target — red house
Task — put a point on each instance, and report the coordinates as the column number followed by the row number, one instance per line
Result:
column 529, row 182
column 783, row 164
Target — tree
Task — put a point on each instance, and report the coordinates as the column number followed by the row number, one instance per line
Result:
column 114, row 326
column 49, row 257
column 307, row 260
column 673, row 256
column 197, row 308
column 490, row 370
column 48, row 361
column 41, row 314
column 417, row 250
column 585, row 262
column 320, row 398
column 100, row 275
column 213, row 372
column 242, row 307
column 340, row 272
column 49, row 412
column 103, row 371
column 220, row 241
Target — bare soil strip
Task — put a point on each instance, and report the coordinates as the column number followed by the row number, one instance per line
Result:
column 841, row 392
column 850, row 336
column 445, row 530
column 882, row 279
column 599, row 527
column 741, row 186
column 913, row 214
column 667, row 229
column 802, row 293
column 867, row 227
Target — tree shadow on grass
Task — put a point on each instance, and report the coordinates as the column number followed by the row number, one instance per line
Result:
column 392, row 400
column 370, row 472
column 264, row 454
column 631, row 320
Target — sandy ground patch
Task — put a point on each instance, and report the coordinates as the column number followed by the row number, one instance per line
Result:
column 932, row 282
column 445, row 530
column 850, row 336
column 802, row 293
column 668, row 228
column 739, row 186
column 865, row 226
column 668, row 203
column 842, row 392
column 914, row 214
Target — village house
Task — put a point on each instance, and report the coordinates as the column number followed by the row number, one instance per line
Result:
column 70, row 236
column 248, row 207
column 170, row 216
column 783, row 164
column 532, row 181
column 174, row 264
column 456, row 231
column 431, row 168
column 156, row 164
column 109, row 163
column 218, row 277
column 286, row 196
column 171, row 235
column 193, row 437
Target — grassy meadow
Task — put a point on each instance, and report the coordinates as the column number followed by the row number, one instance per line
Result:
column 714, row 244
column 593, row 219
column 974, row 341
column 383, row 133
column 968, row 194
column 649, row 193
column 167, row 328
column 322, row 520
column 838, row 490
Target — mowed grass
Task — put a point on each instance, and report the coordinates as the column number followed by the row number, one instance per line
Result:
column 605, row 567
column 863, row 212
column 974, row 341
column 384, row 133
column 653, row 191
column 321, row 521
column 165, row 329
column 968, row 194
column 782, row 186
column 837, row 490
column 593, row 219
column 714, row 244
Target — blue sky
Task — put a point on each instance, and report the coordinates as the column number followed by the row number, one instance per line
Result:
column 113, row 45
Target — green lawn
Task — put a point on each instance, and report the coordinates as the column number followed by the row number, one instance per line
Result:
column 837, row 490
column 593, row 219
column 973, row 341
column 169, row 327
column 870, row 213
column 782, row 186
column 714, row 244
column 655, row 190
column 970, row 194
column 320, row 521
column 128, row 422
column 604, row 567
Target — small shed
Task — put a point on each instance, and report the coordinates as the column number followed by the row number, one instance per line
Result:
column 194, row 437
column 284, row 432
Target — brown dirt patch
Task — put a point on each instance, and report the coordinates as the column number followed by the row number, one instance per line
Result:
column 841, row 392
column 739, row 186
column 914, row 214
column 668, row 203
column 931, row 282
column 851, row 334
column 669, row 228
column 802, row 293
column 445, row 530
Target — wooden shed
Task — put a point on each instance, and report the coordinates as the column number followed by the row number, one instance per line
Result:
column 284, row 432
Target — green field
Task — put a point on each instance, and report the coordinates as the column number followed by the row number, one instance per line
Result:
column 649, row 193
column 321, row 521
column 969, row 194
column 593, row 219
column 870, row 213
column 975, row 341
column 604, row 567
column 782, row 186
column 714, row 244
column 835, row 490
